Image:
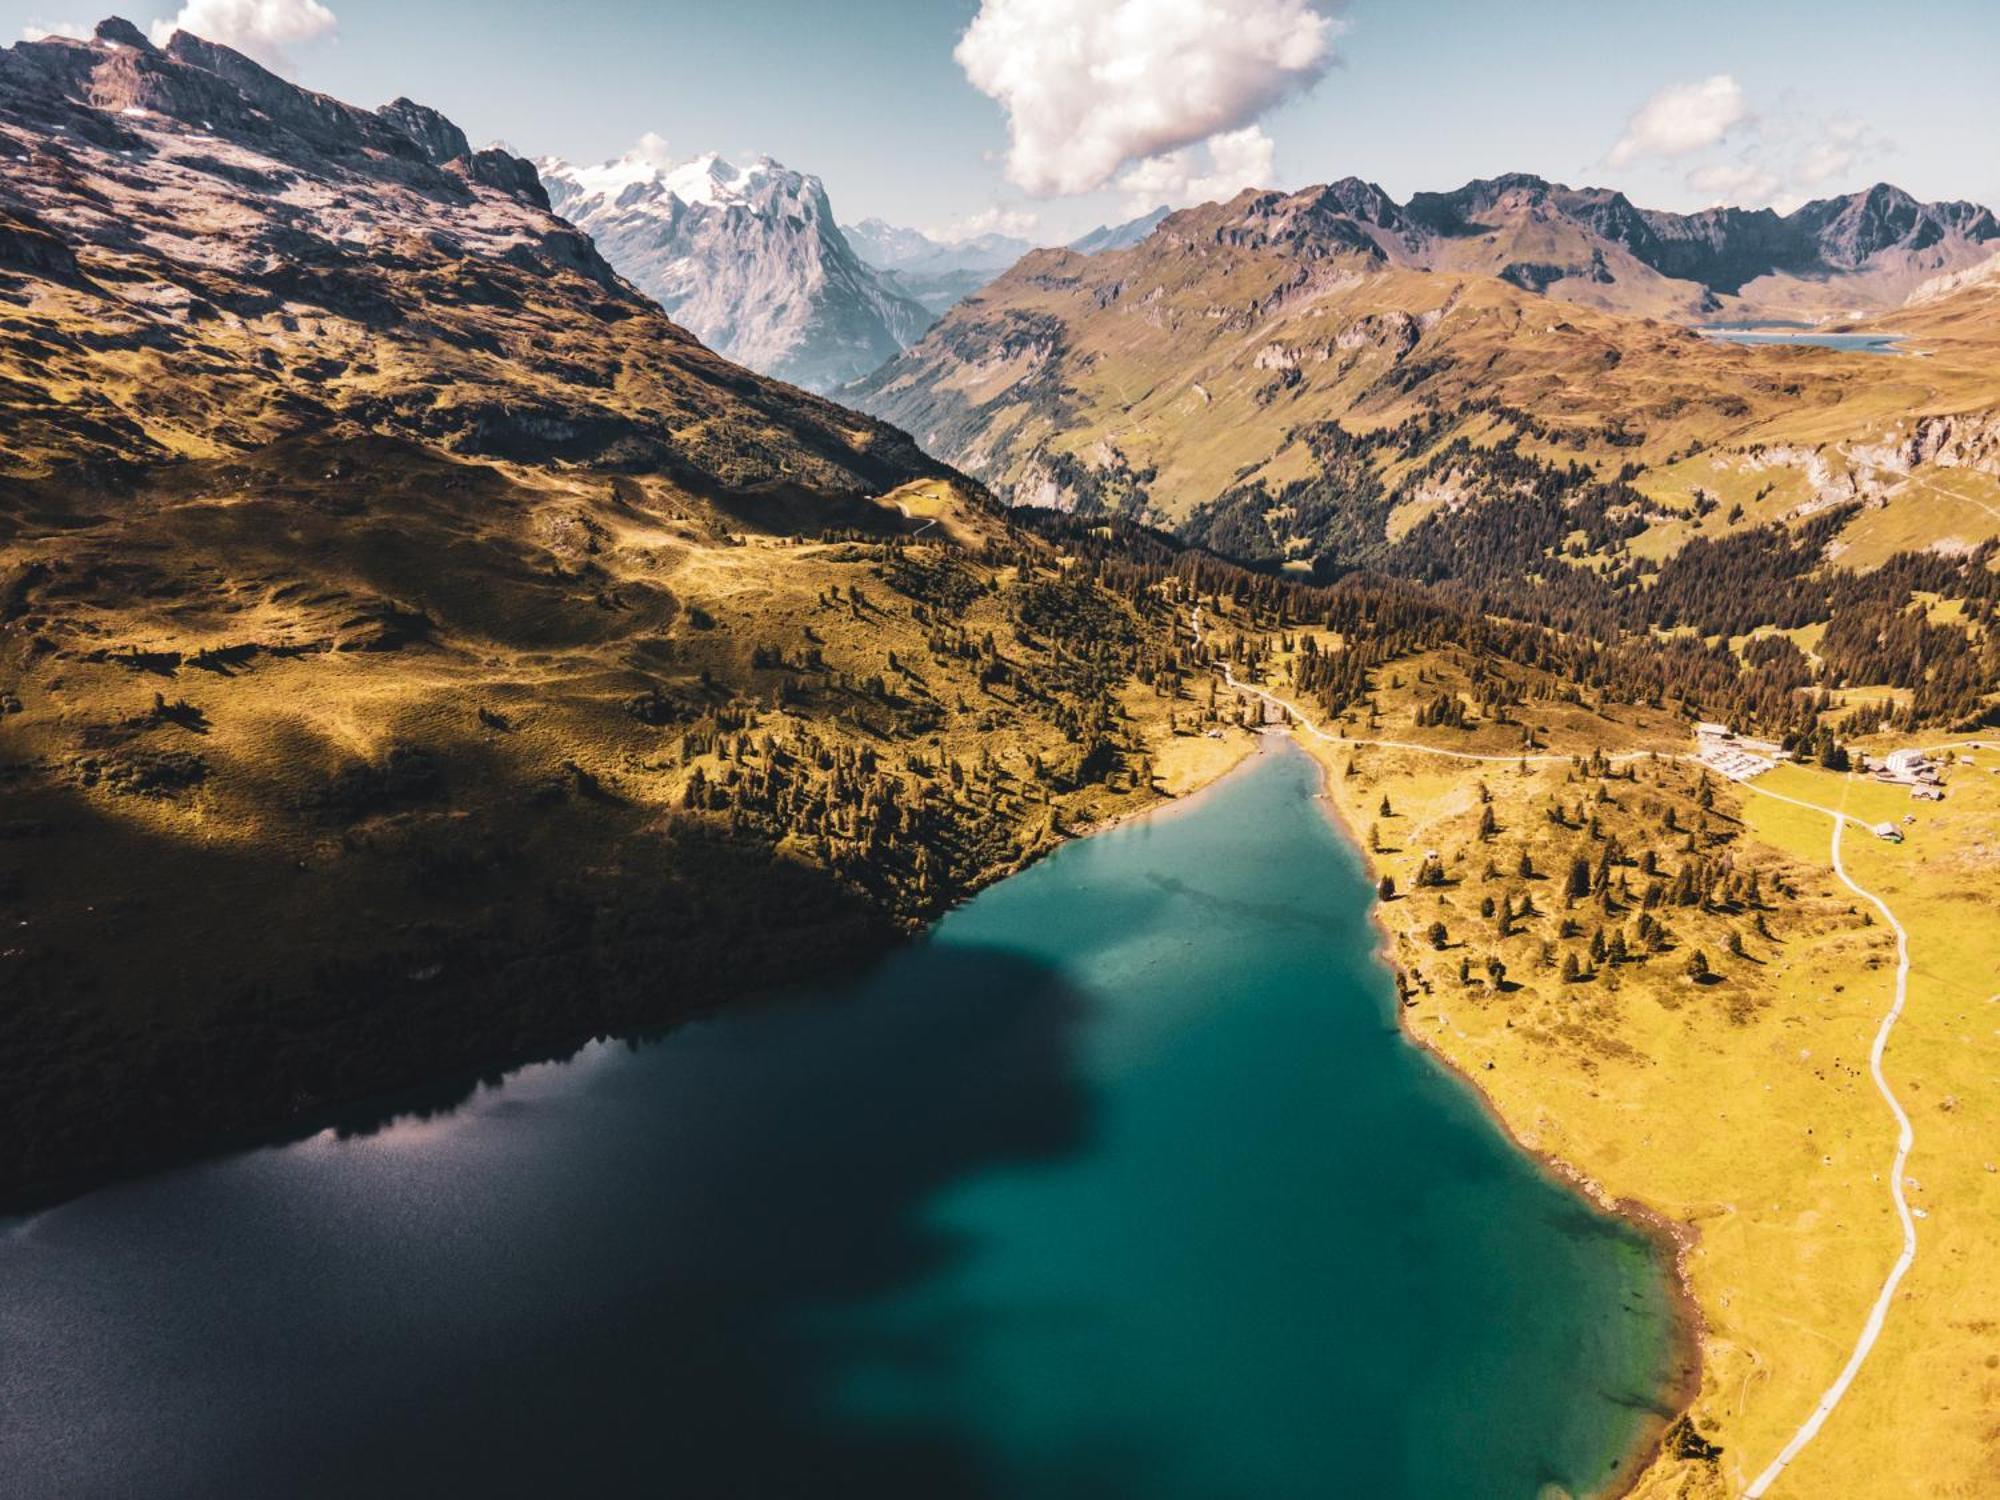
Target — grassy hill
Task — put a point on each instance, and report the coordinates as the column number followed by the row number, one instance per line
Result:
column 1192, row 371
column 417, row 652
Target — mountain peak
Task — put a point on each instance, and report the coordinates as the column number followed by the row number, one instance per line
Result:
column 119, row 84
column 294, row 265
column 441, row 139
column 748, row 257
column 116, row 31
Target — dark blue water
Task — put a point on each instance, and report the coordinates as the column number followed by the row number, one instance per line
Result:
column 1124, row 1184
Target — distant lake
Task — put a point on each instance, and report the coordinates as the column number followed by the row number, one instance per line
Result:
column 1801, row 333
column 1123, row 1184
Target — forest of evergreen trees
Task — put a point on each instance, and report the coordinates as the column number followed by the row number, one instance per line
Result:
column 1514, row 546
column 1606, row 644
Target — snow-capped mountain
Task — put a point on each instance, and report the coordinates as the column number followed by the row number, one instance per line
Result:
column 936, row 273
column 749, row 259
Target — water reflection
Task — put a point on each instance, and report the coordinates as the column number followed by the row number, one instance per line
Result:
column 586, row 1296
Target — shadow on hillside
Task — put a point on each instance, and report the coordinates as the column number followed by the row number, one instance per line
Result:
column 167, row 995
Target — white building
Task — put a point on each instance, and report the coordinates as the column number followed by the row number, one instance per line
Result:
column 1909, row 765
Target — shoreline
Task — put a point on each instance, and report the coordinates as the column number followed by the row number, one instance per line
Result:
column 448, row 1092
column 422, row 1089
column 1670, row 1240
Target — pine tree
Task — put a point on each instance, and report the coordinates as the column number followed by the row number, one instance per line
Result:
column 1579, row 878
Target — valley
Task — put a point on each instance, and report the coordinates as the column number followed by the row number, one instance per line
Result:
column 464, row 618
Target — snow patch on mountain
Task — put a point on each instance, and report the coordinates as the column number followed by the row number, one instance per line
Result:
column 748, row 258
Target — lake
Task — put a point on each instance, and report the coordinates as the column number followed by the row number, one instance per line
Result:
column 1801, row 333
column 1123, row 1183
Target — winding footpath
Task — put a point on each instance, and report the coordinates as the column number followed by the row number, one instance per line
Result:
column 1905, row 1133
column 1905, row 1139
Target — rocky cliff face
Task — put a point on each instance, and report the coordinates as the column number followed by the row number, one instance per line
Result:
column 749, row 258
column 199, row 257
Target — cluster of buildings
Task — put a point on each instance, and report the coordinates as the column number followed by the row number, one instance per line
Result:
column 1734, row 756
column 1913, row 769
column 1741, row 759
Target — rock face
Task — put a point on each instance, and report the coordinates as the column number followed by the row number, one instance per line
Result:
column 932, row 272
column 198, row 257
column 749, row 258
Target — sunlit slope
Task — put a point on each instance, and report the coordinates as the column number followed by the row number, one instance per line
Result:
column 1195, row 368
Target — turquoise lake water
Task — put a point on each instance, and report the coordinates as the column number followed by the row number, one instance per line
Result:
column 1124, row 1183
column 1802, row 333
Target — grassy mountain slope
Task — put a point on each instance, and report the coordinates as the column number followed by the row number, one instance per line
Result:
column 417, row 651
column 1199, row 368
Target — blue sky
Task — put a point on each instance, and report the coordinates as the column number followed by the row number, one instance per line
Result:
column 1765, row 102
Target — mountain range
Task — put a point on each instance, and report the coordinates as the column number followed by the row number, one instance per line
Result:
column 1595, row 247
column 942, row 273
column 749, row 259
column 936, row 273
column 1191, row 379
column 1119, row 236
column 254, row 262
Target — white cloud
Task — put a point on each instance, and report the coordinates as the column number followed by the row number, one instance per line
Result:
column 1738, row 184
column 1682, row 119
column 1237, row 159
column 1091, row 85
column 651, row 148
column 1825, row 160
column 41, row 31
column 263, row 29
column 1791, row 158
column 1017, row 223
